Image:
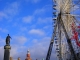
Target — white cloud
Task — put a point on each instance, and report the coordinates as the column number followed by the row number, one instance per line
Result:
column 19, row 40
column 12, row 9
column 44, row 20
column 39, row 11
column 37, row 32
column 46, row 27
column 3, row 30
column 13, row 51
column 2, row 15
column 9, row 11
column 35, row 41
column 43, row 10
column 23, row 29
column 2, row 41
column 27, row 19
column 1, row 52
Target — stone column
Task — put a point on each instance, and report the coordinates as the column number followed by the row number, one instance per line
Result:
column 7, row 52
column 7, row 48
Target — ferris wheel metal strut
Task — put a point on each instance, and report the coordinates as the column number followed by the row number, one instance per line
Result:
column 67, row 37
column 51, row 44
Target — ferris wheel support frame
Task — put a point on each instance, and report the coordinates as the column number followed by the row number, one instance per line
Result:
column 67, row 37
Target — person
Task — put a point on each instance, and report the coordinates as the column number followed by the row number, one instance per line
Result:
column 8, row 40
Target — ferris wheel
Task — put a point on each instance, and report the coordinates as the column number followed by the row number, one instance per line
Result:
column 66, row 34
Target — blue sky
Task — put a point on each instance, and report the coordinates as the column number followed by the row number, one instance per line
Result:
column 29, row 23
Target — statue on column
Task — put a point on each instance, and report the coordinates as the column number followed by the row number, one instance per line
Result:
column 8, row 40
